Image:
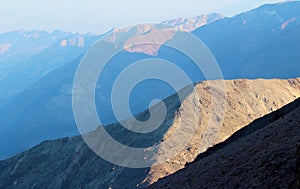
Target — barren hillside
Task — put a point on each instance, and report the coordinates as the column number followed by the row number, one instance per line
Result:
column 265, row 154
column 246, row 100
column 69, row 163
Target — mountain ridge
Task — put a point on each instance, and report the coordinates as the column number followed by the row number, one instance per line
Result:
column 65, row 162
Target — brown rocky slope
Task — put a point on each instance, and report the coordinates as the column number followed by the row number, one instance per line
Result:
column 246, row 100
column 265, row 154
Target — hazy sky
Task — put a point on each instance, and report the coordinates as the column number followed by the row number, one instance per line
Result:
column 98, row 16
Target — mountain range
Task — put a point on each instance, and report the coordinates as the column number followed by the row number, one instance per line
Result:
column 246, row 122
column 42, row 82
column 36, row 89
column 33, row 55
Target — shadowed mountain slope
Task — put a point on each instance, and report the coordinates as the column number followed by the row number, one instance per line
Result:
column 259, row 43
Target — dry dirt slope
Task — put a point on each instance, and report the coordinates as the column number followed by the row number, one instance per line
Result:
column 69, row 163
column 265, row 154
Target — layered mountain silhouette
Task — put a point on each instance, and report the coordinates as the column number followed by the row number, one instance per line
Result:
column 36, row 95
column 49, row 99
column 29, row 42
column 69, row 163
column 42, row 53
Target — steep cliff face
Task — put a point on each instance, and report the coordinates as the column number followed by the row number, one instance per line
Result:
column 265, row 154
column 69, row 163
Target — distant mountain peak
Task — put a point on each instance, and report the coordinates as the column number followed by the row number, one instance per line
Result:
column 132, row 37
column 188, row 25
column 157, row 33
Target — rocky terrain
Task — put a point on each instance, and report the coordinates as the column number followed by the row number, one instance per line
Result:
column 69, row 163
column 265, row 154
